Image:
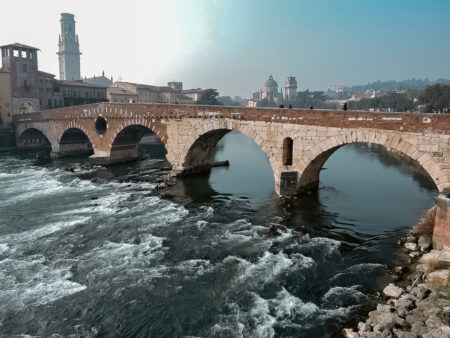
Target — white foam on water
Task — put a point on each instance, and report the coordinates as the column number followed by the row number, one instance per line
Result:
column 208, row 211
column 34, row 282
column 260, row 315
column 3, row 248
column 201, row 225
column 265, row 270
column 43, row 231
column 339, row 295
column 125, row 263
column 194, row 268
column 326, row 245
column 302, row 262
column 287, row 307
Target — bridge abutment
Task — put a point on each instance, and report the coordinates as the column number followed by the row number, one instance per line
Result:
column 441, row 231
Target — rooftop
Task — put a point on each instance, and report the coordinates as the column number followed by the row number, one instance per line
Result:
column 144, row 86
column 19, row 45
column 191, row 91
column 120, row 91
column 41, row 73
column 79, row 84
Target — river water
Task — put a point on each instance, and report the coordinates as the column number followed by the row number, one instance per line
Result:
column 104, row 255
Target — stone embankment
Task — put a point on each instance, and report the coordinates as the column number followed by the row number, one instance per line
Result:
column 420, row 306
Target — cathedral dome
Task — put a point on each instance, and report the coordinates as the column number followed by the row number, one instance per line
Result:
column 271, row 83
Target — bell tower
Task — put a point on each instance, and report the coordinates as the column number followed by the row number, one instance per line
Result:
column 69, row 49
column 290, row 89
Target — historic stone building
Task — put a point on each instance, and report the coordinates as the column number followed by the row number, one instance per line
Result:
column 55, row 93
column 290, row 89
column 100, row 80
column 194, row 93
column 271, row 94
column 69, row 49
column 128, row 92
column 5, row 100
column 20, row 62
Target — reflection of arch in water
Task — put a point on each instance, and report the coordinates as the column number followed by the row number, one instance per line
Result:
column 126, row 143
column 399, row 161
column 309, row 178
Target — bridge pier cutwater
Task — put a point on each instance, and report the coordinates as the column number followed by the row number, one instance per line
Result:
column 296, row 142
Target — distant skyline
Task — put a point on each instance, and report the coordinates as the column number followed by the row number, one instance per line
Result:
column 235, row 45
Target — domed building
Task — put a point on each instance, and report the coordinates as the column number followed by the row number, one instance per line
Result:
column 270, row 88
column 271, row 93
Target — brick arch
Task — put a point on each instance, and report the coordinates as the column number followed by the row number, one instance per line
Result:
column 135, row 122
column 48, row 135
column 213, row 132
column 314, row 158
column 75, row 125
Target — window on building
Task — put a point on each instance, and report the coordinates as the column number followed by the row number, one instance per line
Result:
column 16, row 53
column 23, row 54
column 25, row 84
column 24, row 68
column 287, row 151
column 49, row 103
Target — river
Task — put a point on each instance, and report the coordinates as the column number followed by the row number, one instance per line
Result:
column 102, row 255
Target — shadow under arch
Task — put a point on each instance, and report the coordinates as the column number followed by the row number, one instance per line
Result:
column 130, row 142
column 201, row 153
column 309, row 179
column 74, row 141
column 33, row 138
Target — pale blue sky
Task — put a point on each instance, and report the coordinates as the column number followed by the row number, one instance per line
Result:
column 234, row 45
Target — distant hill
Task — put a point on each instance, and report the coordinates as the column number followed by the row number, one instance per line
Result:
column 418, row 84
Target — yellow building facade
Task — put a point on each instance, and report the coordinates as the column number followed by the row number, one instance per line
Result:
column 5, row 100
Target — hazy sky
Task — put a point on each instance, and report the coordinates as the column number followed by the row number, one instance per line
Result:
column 234, row 45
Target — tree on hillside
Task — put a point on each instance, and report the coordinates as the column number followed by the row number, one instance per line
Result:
column 209, row 97
column 436, row 99
column 306, row 98
column 266, row 103
column 227, row 101
column 396, row 101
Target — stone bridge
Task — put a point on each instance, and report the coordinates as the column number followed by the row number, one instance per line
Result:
column 297, row 142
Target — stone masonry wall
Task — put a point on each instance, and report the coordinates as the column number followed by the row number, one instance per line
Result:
column 316, row 134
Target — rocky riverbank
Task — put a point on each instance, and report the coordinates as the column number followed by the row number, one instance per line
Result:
column 419, row 304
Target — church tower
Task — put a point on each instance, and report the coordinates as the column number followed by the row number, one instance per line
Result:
column 69, row 49
column 290, row 89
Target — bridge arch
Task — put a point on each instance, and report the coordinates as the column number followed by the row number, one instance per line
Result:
column 314, row 159
column 74, row 140
column 33, row 138
column 124, row 143
column 200, row 147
